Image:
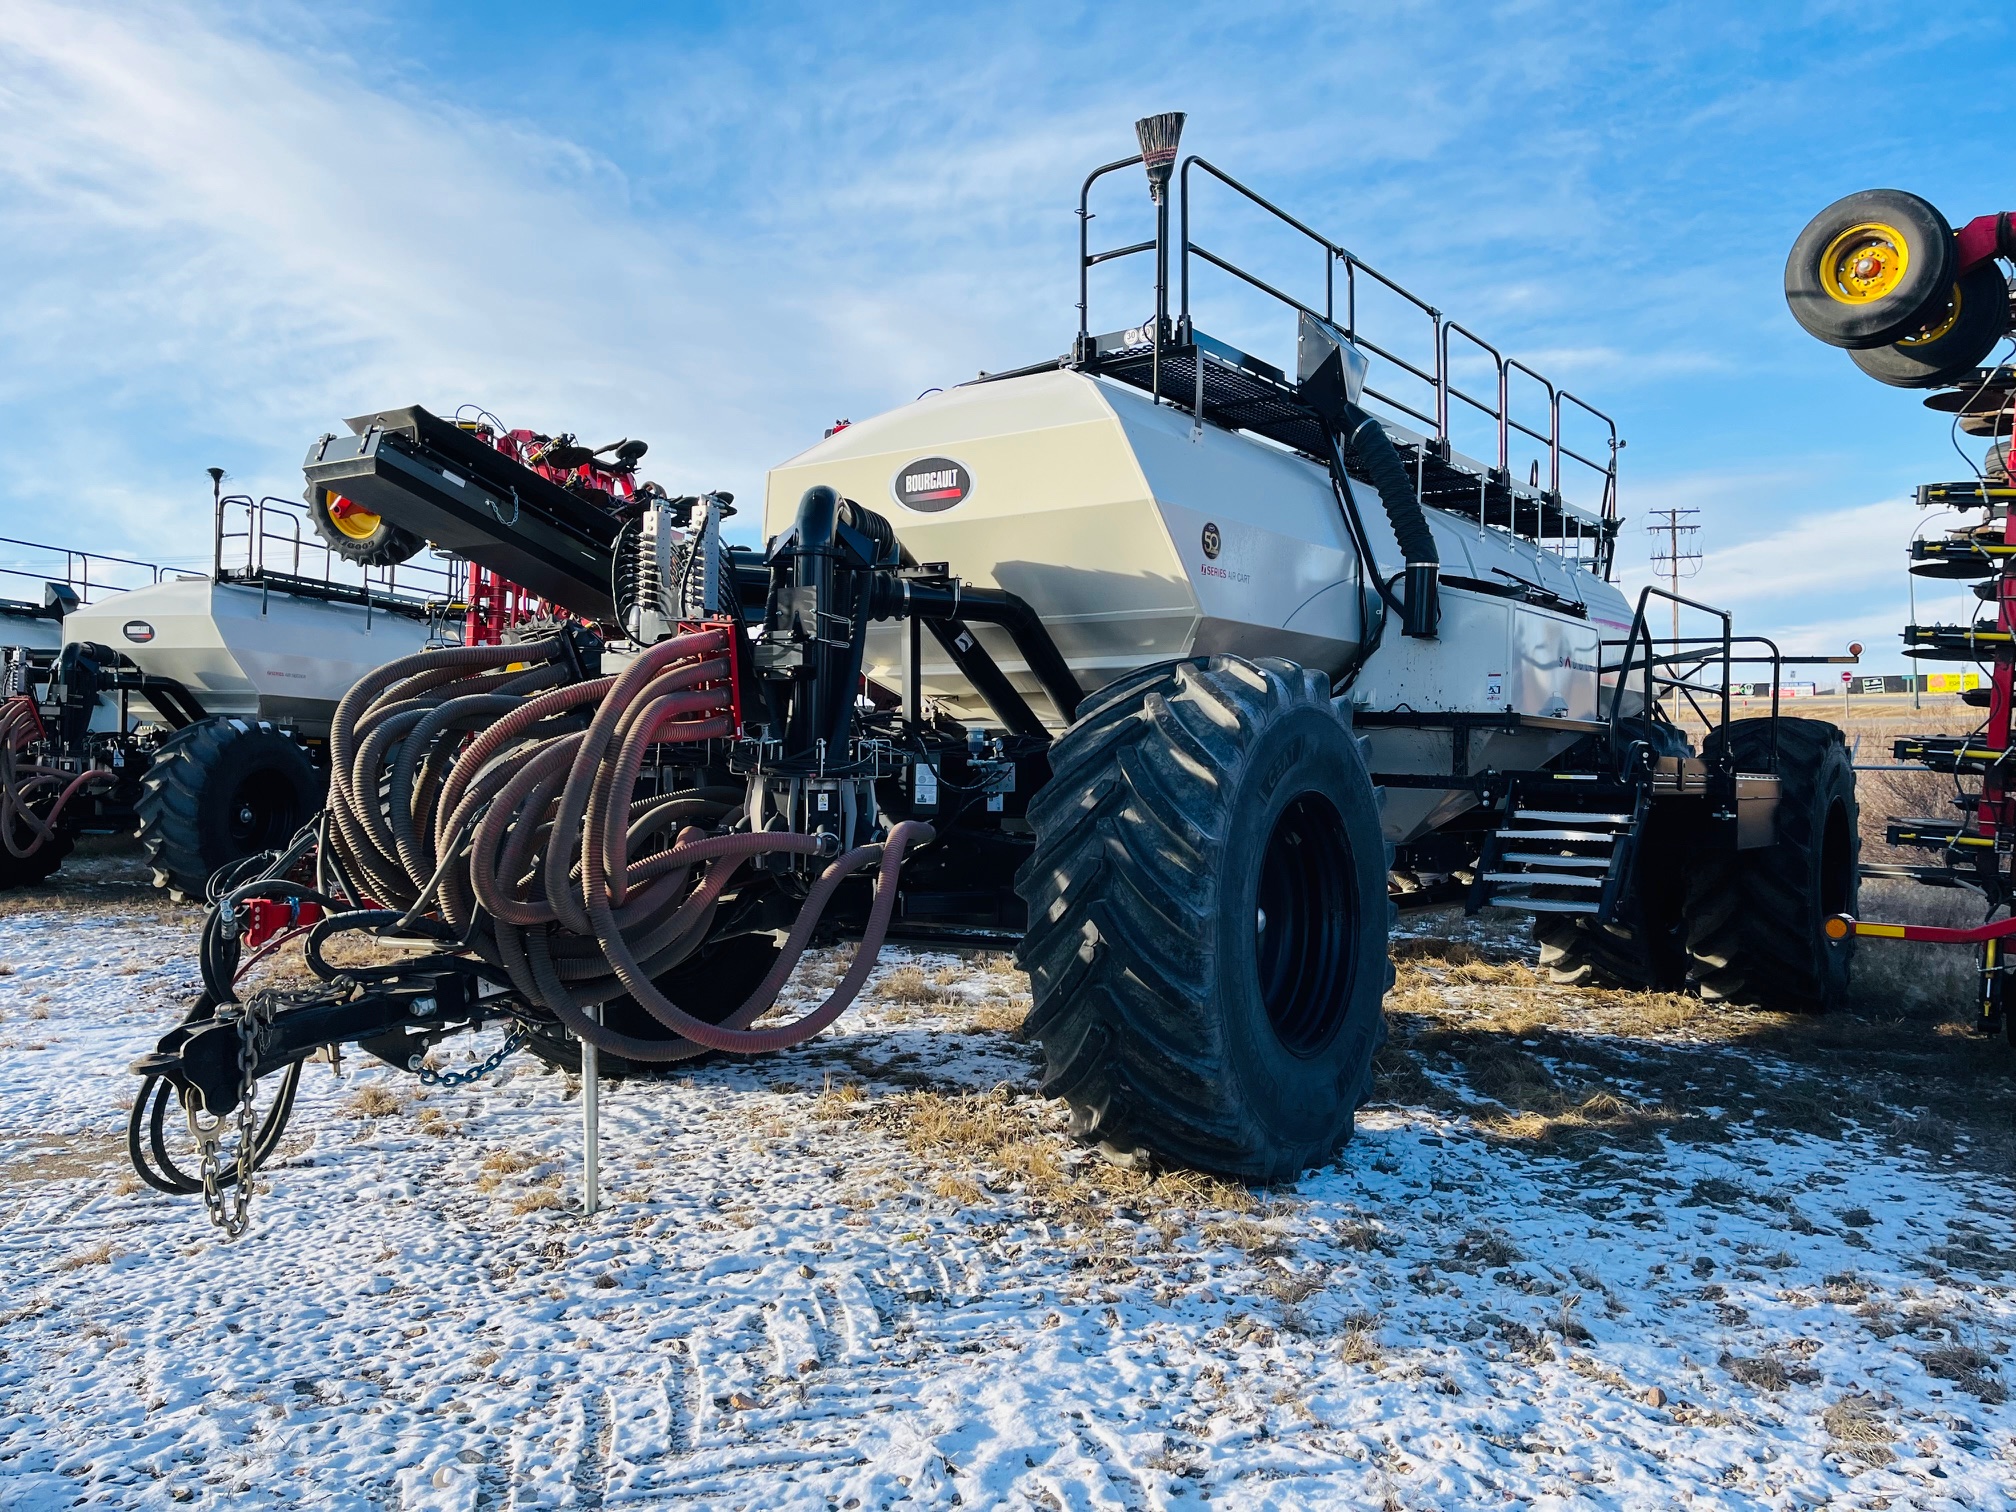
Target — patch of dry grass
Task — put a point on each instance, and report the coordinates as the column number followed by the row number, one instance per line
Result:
column 1768, row 1372
column 907, row 984
column 374, row 1102
column 97, row 1254
column 1856, row 1423
column 972, row 1143
column 996, row 1017
column 1966, row 1367
column 1360, row 1346
column 539, row 1199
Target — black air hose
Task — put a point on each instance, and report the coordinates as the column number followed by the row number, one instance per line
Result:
column 1366, row 438
column 1368, row 441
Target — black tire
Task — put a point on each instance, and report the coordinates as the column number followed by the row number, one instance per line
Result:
column 1645, row 946
column 218, row 791
column 358, row 535
column 1755, row 918
column 31, row 870
column 1186, row 803
column 710, row 985
column 1911, row 246
column 1968, row 325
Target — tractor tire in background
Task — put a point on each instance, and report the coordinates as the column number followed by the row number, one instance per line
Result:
column 710, row 984
column 1208, row 920
column 1644, row 947
column 1970, row 322
column 1870, row 269
column 28, row 871
column 357, row 535
column 1755, row 918
column 220, row 790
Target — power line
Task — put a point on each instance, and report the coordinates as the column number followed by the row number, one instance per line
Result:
column 1676, row 556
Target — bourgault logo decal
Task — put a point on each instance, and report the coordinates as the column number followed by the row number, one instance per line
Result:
column 932, row 483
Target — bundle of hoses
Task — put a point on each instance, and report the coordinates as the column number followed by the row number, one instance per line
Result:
column 483, row 796
column 27, row 818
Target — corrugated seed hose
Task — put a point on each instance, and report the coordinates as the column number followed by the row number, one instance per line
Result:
column 489, row 784
column 22, row 782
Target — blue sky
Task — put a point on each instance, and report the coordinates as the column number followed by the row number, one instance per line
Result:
column 721, row 228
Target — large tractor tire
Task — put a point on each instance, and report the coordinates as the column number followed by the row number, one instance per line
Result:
column 1870, row 269
column 1756, row 918
column 355, row 533
column 220, row 790
column 1208, row 922
column 1645, row 946
column 1972, row 319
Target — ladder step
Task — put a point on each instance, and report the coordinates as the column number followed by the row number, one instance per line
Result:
column 1546, row 905
column 1571, row 816
column 1608, row 837
column 1545, row 859
column 1544, row 879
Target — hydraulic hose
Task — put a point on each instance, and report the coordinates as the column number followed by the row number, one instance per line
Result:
column 24, row 785
column 497, row 815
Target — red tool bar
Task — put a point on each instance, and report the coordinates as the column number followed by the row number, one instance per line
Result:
column 1983, row 237
column 1840, row 926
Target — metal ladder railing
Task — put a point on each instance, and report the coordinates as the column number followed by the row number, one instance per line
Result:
column 1498, row 409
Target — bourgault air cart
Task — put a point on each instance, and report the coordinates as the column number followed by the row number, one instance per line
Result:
column 1156, row 662
column 194, row 710
column 1919, row 305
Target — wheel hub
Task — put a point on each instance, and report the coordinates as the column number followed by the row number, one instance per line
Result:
column 1305, row 924
column 353, row 519
column 1864, row 263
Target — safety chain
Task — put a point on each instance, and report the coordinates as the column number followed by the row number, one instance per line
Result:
column 234, row 1215
column 432, row 1078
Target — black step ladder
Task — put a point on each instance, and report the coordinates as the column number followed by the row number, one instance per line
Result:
column 1565, row 846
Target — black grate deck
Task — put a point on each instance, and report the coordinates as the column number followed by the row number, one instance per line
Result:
column 1250, row 396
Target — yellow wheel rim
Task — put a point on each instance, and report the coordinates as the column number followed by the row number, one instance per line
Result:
column 1930, row 333
column 1865, row 263
column 358, row 523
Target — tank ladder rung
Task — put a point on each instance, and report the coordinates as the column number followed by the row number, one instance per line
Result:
column 1545, row 879
column 1547, row 905
column 1571, row 816
column 1544, row 858
column 1586, row 836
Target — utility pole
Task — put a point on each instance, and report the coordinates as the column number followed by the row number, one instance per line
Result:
column 1674, row 554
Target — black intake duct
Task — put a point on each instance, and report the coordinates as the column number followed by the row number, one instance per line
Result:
column 1365, row 438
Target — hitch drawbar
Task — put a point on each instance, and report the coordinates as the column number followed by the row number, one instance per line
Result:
column 200, row 1058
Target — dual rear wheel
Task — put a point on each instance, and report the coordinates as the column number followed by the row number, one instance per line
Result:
column 1745, row 926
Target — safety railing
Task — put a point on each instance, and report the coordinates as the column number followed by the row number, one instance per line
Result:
column 76, row 573
column 1435, row 414
column 1682, row 669
column 269, row 542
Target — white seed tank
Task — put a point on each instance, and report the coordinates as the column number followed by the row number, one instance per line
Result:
column 1139, row 535
column 248, row 653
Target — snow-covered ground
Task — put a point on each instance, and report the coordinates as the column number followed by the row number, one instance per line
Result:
column 873, row 1272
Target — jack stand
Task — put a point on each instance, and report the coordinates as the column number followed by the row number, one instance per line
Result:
column 591, row 1125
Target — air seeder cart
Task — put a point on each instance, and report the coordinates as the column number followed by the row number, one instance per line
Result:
column 1153, row 662
column 194, row 710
